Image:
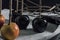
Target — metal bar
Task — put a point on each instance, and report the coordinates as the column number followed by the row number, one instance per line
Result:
column 33, row 3
column 38, row 6
column 34, row 9
column 10, row 6
column 10, row 14
column 52, row 8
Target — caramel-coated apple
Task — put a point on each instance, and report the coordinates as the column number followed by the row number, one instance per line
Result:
column 2, row 20
column 10, row 31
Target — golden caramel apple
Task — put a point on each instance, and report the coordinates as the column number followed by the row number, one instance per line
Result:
column 10, row 31
column 2, row 20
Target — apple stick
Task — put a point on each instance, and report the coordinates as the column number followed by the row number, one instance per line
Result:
column 10, row 14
